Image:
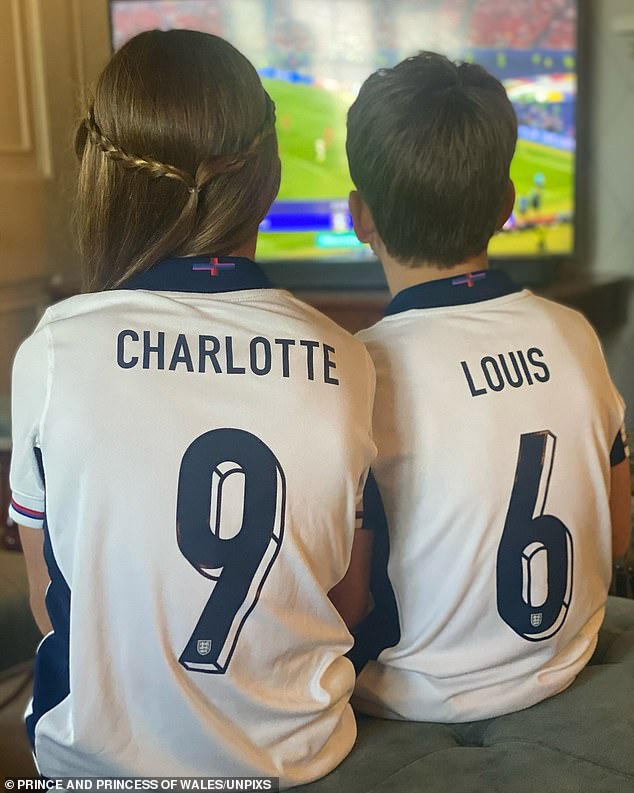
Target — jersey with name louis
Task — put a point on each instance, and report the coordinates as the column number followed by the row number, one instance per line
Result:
column 515, row 369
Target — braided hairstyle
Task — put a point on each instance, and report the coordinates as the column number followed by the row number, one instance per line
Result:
column 178, row 156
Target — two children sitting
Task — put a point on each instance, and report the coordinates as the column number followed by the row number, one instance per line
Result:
column 202, row 527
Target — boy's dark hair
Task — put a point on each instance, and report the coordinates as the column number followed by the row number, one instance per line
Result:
column 429, row 145
column 178, row 156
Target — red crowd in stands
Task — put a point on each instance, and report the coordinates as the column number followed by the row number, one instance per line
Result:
column 549, row 24
column 522, row 24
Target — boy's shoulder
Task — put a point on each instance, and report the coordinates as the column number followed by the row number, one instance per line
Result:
column 525, row 303
column 565, row 321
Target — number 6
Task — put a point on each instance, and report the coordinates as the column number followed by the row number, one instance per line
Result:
column 534, row 560
column 215, row 467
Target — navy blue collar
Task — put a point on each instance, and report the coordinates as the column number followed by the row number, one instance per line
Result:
column 201, row 274
column 459, row 290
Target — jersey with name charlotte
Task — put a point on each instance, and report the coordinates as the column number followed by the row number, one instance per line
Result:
column 195, row 446
column 494, row 420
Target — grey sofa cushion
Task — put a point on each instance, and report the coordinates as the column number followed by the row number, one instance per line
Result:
column 581, row 741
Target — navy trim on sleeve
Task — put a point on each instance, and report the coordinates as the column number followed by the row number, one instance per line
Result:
column 51, row 681
column 381, row 628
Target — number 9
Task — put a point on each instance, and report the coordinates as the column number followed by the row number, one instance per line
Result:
column 236, row 554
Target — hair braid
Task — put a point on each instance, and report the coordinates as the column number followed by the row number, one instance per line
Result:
column 131, row 209
column 228, row 163
column 153, row 168
column 206, row 171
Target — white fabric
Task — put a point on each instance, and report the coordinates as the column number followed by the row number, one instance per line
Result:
column 112, row 441
column 447, row 458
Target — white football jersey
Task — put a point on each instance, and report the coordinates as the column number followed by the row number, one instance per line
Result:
column 195, row 446
column 494, row 421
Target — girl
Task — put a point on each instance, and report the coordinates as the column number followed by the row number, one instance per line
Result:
column 190, row 446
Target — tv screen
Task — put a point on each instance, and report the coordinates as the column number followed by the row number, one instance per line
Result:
column 313, row 57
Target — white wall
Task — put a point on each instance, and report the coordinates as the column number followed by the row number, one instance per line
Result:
column 611, row 170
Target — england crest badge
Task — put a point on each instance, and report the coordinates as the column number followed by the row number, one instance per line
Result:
column 536, row 619
column 203, row 646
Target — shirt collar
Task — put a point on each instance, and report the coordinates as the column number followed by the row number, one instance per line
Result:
column 459, row 290
column 201, row 274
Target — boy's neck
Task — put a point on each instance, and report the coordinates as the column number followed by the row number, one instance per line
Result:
column 402, row 276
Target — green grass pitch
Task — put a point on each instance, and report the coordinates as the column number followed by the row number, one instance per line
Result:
column 306, row 113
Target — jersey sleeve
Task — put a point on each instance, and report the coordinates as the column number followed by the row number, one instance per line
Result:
column 28, row 404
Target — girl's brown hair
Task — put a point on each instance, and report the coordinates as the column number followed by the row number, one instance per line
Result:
column 178, row 156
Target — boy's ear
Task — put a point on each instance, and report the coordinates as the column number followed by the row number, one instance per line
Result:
column 507, row 206
column 362, row 219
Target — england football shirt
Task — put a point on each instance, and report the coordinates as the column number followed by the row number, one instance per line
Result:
column 194, row 446
column 494, row 421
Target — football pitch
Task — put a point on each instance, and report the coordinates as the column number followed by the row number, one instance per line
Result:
column 311, row 128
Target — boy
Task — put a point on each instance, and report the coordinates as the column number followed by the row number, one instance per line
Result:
column 501, row 458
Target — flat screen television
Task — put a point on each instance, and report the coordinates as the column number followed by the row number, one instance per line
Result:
column 313, row 57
